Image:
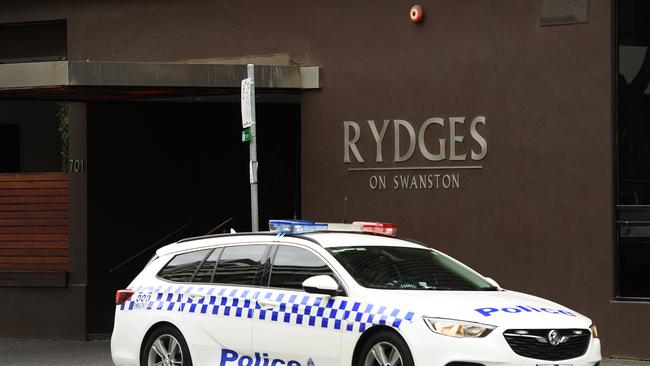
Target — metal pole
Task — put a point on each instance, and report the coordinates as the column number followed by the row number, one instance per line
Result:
column 253, row 154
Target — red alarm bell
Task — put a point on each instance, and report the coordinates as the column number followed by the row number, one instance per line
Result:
column 417, row 14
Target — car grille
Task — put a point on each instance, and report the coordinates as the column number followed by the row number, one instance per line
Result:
column 534, row 343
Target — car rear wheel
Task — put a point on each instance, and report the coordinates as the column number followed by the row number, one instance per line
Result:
column 165, row 346
column 384, row 348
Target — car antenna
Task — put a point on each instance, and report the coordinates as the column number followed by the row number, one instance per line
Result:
column 181, row 228
column 219, row 226
column 345, row 210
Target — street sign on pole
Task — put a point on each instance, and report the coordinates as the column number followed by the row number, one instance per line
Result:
column 247, row 92
column 246, row 135
column 248, row 122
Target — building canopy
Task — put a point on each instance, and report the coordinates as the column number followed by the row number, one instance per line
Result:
column 98, row 80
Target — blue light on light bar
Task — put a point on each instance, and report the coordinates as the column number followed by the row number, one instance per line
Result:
column 295, row 226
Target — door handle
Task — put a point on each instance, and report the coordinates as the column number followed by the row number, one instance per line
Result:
column 268, row 304
column 196, row 296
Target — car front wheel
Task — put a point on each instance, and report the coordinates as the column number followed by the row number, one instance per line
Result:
column 385, row 348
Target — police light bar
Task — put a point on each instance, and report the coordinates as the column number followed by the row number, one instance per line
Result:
column 283, row 227
column 288, row 227
column 377, row 227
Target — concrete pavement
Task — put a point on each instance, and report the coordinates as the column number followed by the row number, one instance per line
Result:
column 97, row 353
column 55, row 353
column 623, row 362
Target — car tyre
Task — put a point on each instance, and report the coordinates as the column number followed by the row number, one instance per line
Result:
column 165, row 346
column 384, row 348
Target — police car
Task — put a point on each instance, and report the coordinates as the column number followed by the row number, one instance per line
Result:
column 311, row 294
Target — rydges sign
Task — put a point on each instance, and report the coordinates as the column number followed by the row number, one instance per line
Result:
column 447, row 145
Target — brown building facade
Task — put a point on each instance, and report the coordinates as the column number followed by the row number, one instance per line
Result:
column 493, row 131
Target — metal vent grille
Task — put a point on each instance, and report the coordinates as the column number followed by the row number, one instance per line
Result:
column 534, row 343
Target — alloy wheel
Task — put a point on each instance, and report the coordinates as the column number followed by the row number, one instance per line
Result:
column 165, row 351
column 383, row 354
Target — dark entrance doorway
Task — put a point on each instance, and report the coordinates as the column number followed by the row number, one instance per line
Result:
column 153, row 167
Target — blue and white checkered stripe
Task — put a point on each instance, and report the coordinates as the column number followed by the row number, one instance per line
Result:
column 299, row 309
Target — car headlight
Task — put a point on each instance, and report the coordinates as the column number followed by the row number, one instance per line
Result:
column 458, row 328
column 594, row 330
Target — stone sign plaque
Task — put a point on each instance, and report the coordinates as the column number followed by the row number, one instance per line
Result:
column 557, row 12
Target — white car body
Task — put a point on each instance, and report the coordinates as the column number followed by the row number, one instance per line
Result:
column 228, row 325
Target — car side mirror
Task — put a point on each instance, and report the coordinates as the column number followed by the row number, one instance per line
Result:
column 321, row 284
column 492, row 282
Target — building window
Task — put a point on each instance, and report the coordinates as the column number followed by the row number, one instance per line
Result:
column 33, row 42
column 633, row 149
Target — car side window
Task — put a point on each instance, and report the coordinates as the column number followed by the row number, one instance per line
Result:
column 182, row 267
column 293, row 265
column 204, row 274
column 238, row 264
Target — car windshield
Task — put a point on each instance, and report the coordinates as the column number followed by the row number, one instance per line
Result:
column 402, row 268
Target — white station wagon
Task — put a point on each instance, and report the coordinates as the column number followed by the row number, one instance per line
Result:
column 312, row 294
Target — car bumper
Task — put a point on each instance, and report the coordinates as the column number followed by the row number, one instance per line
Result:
column 126, row 339
column 433, row 349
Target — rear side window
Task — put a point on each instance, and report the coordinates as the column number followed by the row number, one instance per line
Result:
column 183, row 266
column 207, row 268
column 238, row 265
column 293, row 265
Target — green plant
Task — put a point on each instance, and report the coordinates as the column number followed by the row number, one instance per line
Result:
column 62, row 117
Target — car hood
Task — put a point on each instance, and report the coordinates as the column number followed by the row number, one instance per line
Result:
column 500, row 308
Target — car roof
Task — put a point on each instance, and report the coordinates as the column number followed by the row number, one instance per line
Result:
column 320, row 239
column 339, row 239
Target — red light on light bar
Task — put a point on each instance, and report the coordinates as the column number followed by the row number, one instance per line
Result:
column 122, row 296
column 377, row 227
